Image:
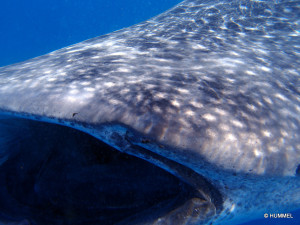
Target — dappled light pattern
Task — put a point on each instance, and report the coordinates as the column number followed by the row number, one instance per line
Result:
column 219, row 79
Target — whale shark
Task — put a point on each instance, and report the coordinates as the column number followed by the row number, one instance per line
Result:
column 191, row 117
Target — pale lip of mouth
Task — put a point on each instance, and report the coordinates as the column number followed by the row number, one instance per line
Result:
column 53, row 174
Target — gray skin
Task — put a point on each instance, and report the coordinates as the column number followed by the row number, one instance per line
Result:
column 212, row 84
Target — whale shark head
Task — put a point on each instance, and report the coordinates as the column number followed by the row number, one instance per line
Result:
column 192, row 117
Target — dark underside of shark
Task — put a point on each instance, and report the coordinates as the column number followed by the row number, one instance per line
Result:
column 192, row 117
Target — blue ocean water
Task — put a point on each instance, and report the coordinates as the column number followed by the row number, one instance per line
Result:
column 36, row 27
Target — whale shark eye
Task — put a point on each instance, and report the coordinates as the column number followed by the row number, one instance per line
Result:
column 52, row 174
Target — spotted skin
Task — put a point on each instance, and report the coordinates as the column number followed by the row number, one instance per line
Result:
column 214, row 82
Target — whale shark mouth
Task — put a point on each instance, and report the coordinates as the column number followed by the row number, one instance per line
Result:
column 52, row 174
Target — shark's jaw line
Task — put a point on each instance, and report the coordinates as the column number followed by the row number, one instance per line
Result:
column 64, row 179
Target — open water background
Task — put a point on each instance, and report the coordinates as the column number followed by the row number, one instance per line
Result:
column 32, row 28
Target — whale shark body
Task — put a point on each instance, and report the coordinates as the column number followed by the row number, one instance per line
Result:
column 192, row 117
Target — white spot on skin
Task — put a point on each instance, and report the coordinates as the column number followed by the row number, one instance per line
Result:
column 107, row 43
column 86, row 96
column 73, row 86
column 115, row 101
column 90, row 89
column 224, row 127
column 74, row 51
column 266, row 133
column 183, row 91
column 74, row 92
column 160, row 95
column 123, row 70
column 196, row 104
column 284, row 133
column 252, row 140
column 251, row 107
column 48, row 71
column 82, row 71
column 209, row 117
column 124, row 91
column 251, row 73
column 230, row 137
column 86, row 83
column 34, row 84
column 265, row 69
column 190, row 113
column 175, row 103
column 162, row 60
column 51, row 79
column 220, row 111
column 96, row 57
column 268, row 100
column 109, row 84
column 237, row 123
column 257, row 153
column 199, row 47
column 235, row 62
column 234, row 53
column 139, row 97
column 71, row 98
column 281, row 97
column 229, row 71
column 294, row 34
column 230, row 80
column 272, row 148
column 262, row 51
column 118, row 54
